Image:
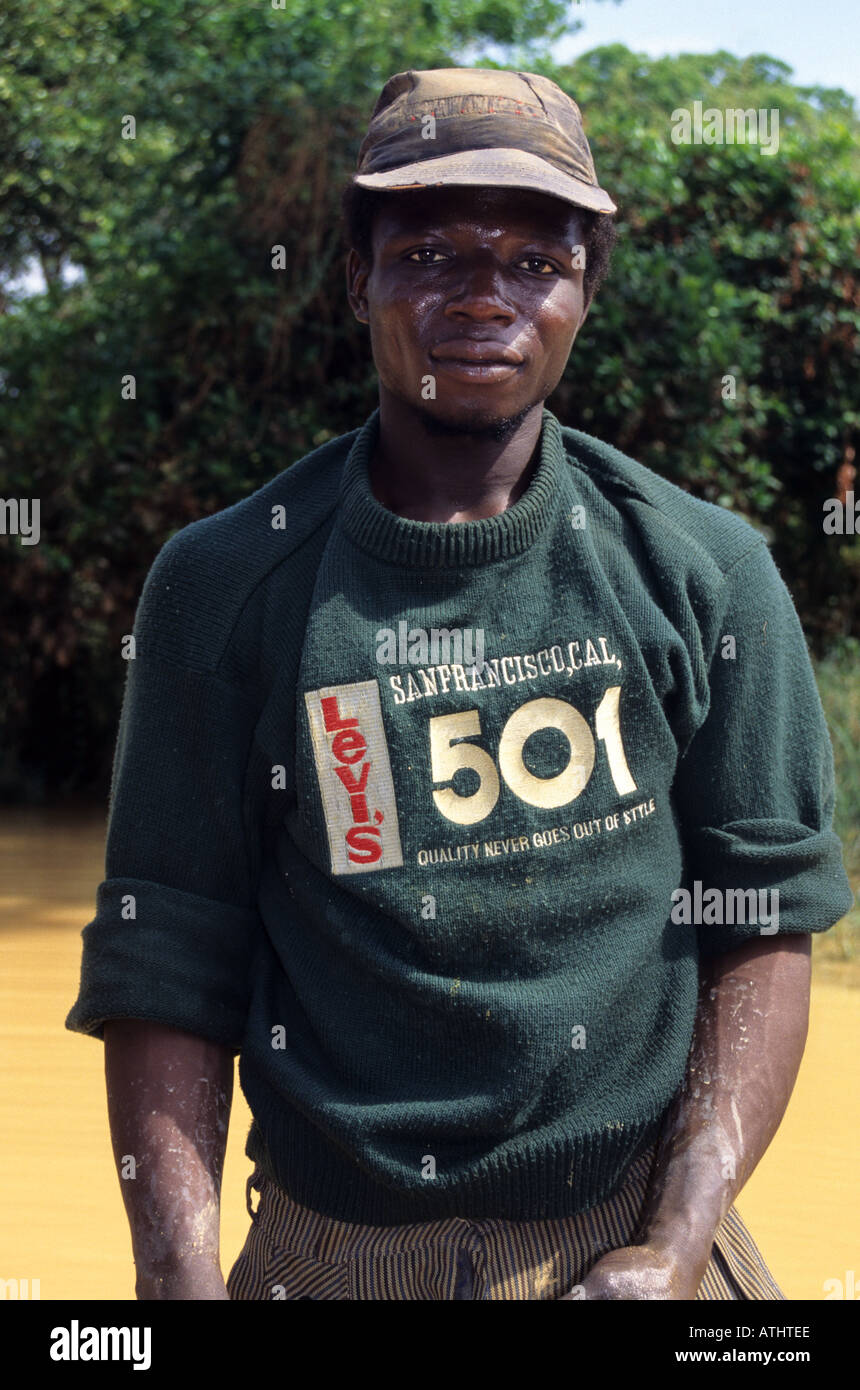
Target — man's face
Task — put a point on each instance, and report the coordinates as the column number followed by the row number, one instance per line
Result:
column 470, row 273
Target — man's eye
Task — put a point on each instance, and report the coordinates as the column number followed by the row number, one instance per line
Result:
column 425, row 251
column 539, row 260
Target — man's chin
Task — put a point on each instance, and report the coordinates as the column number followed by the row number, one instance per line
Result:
column 480, row 423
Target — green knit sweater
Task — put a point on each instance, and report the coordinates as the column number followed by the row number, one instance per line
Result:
column 401, row 811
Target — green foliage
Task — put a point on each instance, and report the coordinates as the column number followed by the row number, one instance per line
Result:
column 248, row 122
column 735, row 263
column 838, row 676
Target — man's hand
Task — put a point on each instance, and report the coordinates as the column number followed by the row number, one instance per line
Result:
column 639, row 1271
column 188, row 1281
column 748, row 1041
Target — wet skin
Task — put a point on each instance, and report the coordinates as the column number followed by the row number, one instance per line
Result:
column 452, row 265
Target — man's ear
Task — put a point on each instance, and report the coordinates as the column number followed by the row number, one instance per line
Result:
column 588, row 303
column 356, row 285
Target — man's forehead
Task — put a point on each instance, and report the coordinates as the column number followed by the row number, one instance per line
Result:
column 409, row 208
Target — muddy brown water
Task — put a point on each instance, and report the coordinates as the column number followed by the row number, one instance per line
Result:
column 62, row 1221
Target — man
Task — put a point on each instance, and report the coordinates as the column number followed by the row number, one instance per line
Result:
column 472, row 784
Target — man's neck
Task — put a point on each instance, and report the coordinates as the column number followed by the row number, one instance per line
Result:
column 426, row 475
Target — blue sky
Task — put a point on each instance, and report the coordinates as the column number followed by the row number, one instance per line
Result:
column 821, row 40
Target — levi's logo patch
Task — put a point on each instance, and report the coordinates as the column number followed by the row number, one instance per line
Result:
column 354, row 772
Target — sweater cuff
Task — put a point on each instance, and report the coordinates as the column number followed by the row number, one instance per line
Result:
column 772, row 877
column 155, row 953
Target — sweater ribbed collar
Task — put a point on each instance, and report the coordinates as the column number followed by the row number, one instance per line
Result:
column 383, row 533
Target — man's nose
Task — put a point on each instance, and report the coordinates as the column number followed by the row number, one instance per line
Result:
column 481, row 294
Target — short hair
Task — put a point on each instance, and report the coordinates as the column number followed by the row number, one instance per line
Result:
column 359, row 207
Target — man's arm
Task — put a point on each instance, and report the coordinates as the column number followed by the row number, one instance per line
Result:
column 748, row 1041
column 169, row 1097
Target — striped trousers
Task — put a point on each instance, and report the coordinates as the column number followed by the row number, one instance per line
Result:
column 292, row 1252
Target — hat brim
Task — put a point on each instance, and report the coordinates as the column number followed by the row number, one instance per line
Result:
column 493, row 167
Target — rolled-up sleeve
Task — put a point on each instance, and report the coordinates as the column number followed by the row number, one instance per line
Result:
column 754, row 792
column 176, row 923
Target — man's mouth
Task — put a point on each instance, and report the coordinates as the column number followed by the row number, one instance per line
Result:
column 476, row 350
column 477, row 359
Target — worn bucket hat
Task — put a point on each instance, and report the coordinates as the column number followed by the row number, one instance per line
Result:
column 479, row 126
